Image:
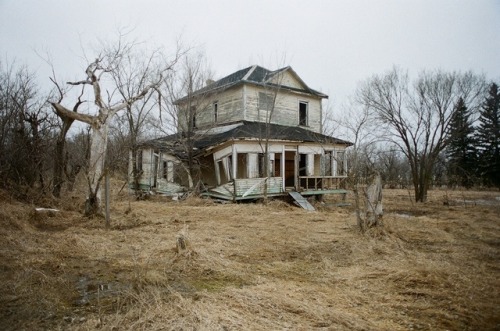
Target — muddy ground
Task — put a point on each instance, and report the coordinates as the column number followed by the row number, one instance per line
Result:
column 250, row 266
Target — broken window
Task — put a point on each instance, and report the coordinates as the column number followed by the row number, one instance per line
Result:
column 261, row 165
column 341, row 164
column 302, row 164
column 193, row 117
column 303, row 113
column 327, row 164
column 139, row 160
column 165, row 170
column 277, row 165
column 222, row 178
column 168, row 171
column 230, row 167
column 241, row 172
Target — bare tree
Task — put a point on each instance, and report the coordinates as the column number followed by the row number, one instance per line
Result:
column 363, row 179
column 393, row 166
column 76, row 155
column 25, row 128
column 135, row 72
column 189, row 102
column 99, row 74
column 272, row 88
column 416, row 116
column 60, row 155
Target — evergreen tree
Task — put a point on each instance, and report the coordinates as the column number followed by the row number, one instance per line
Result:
column 461, row 150
column 489, row 138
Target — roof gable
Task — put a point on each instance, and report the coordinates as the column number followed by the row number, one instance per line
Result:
column 285, row 78
column 288, row 78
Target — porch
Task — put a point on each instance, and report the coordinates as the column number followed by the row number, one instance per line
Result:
column 256, row 188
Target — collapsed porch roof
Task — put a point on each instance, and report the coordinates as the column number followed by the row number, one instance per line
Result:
column 177, row 143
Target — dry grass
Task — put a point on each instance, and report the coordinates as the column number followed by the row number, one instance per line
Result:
column 250, row 266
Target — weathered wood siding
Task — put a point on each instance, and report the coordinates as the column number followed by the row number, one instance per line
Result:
column 207, row 170
column 145, row 180
column 287, row 79
column 153, row 172
column 255, row 186
column 163, row 186
column 286, row 109
column 225, row 189
column 229, row 108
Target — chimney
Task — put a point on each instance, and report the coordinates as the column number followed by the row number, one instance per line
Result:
column 209, row 82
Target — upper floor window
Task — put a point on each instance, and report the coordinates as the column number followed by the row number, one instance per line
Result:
column 266, row 101
column 216, row 106
column 303, row 113
column 193, row 117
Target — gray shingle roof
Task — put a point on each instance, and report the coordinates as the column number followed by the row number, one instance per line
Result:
column 253, row 75
column 247, row 130
column 257, row 130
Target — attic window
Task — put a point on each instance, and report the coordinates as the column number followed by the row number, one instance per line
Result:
column 303, row 113
column 266, row 101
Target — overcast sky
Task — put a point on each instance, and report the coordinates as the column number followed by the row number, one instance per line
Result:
column 331, row 44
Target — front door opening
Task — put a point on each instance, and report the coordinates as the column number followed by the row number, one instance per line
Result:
column 289, row 169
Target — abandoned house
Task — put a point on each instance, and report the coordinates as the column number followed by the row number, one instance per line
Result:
column 251, row 134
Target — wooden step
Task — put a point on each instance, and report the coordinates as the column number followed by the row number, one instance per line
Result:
column 301, row 200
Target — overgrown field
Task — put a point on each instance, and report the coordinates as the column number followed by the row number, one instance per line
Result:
column 433, row 266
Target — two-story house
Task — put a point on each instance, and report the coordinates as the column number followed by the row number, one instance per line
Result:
column 255, row 132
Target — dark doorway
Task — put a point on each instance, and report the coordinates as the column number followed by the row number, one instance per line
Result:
column 289, row 168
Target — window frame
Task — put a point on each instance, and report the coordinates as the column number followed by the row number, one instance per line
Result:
column 215, row 107
column 269, row 101
column 303, row 118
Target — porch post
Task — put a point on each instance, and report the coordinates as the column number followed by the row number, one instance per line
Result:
column 296, row 170
column 217, row 173
column 235, row 162
column 310, row 165
column 282, row 165
column 225, row 167
column 334, row 163
column 252, row 165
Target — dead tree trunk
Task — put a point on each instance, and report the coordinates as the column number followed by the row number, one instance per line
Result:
column 60, row 160
column 370, row 214
column 99, row 138
column 374, row 210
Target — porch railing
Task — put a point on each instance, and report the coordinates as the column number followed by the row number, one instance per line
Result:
column 322, row 182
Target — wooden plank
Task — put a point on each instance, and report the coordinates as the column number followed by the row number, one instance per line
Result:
column 301, row 200
column 260, row 182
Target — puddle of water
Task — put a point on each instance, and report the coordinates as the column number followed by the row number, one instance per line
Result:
column 480, row 202
column 91, row 289
column 403, row 215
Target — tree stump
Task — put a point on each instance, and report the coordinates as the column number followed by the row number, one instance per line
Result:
column 181, row 243
column 374, row 210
